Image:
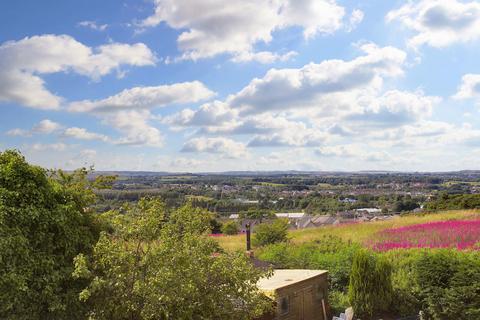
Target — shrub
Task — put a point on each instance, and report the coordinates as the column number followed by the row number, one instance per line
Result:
column 269, row 233
column 329, row 253
column 230, row 228
column 449, row 284
column 370, row 288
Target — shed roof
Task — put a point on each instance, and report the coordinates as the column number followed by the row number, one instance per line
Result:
column 283, row 278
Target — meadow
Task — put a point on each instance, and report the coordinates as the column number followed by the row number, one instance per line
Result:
column 362, row 232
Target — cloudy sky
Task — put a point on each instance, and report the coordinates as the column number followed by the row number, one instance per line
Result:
column 216, row 85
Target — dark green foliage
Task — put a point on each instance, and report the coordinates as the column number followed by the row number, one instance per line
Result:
column 44, row 224
column 230, row 228
column 446, row 201
column 449, row 284
column 269, row 233
column 370, row 287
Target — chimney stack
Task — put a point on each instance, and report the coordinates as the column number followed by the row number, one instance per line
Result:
column 247, row 228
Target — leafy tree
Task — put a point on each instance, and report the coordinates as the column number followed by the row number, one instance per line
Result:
column 370, row 288
column 44, row 224
column 230, row 228
column 160, row 265
column 269, row 233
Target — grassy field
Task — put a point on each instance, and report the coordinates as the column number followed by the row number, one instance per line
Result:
column 357, row 232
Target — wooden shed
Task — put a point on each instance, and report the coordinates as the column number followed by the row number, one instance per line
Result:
column 298, row 294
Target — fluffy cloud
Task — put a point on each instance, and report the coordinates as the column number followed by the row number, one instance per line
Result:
column 469, row 88
column 23, row 62
column 235, row 27
column 394, row 108
column 282, row 89
column 45, row 126
column 439, row 23
column 136, row 128
column 316, row 104
column 209, row 114
column 138, row 98
column 227, row 147
column 83, row 134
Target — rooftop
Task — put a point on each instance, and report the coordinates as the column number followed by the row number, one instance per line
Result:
column 283, row 278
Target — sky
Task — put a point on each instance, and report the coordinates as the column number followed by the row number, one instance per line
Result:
column 219, row 85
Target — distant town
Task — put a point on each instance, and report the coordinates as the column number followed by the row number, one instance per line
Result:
column 306, row 199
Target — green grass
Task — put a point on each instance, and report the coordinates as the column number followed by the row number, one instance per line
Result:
column 358, row 232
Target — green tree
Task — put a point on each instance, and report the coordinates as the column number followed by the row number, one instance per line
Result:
column 370, row 287
column 269, row 233
column 44, row 224
column 160, row 265
column 230, row 228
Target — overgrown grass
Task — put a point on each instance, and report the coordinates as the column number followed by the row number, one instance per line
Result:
column 356, row 232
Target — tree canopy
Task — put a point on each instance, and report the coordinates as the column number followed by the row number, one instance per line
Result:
column 44, row 224
column 161, row 265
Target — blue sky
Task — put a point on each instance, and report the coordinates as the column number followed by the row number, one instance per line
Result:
column 184, row 85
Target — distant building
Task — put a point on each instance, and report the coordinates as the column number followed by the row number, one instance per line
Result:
column 234, row 216
column 369, row 210
column 298, row 294
column 290, row 215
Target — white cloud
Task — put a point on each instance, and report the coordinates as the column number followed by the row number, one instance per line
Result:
column 45, row 126
column 439, row 23
column 93, row 25
column 361, row 152
column 227, row 147
column 136, row 128
column 355, row 19
column 220, row 26
column 282, row 89
column 302, row 138
column 394, row 108
column 49, row 147
column 138, row 98
column 23, row 62
column 17, row 132
column 469, row 88
column 83, row 134
column 209, row 114
column 265, row 57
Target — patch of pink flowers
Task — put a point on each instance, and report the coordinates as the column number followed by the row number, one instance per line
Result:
column 459, row 234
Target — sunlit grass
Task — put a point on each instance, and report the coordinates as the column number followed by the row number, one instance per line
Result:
column 356, row 232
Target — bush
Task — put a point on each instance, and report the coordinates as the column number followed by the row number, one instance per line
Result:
column 270, row 233
column 329, row 253
column 370, row 288
column 230, row 228
column 449, row 284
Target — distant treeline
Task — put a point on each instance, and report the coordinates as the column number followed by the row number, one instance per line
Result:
column 446, row 201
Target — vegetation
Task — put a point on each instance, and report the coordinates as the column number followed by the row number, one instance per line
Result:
column 60, row 260
column 270, row 233
column 230, row 228
column 356, row 232
column 445, row 201
column 370, row 286
column 44, row 224
column 160, row 265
